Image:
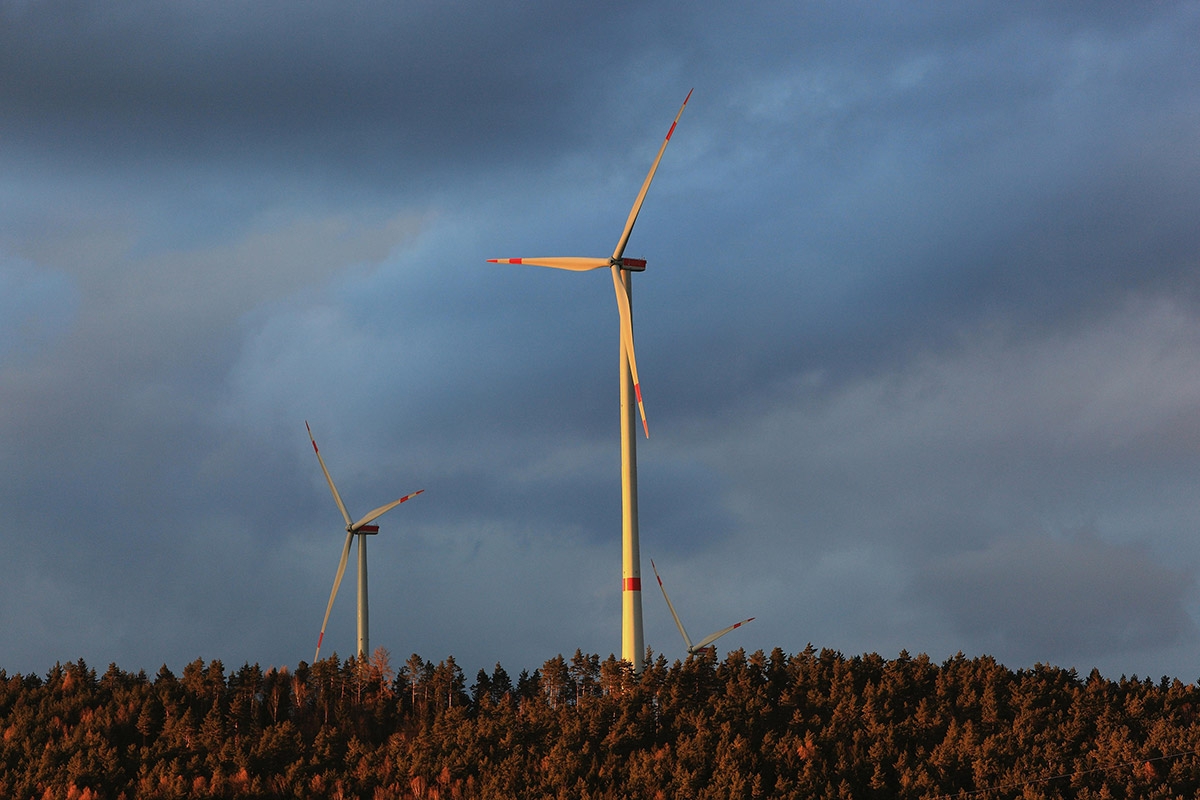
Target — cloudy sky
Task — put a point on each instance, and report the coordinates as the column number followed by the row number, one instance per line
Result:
column 919, row 338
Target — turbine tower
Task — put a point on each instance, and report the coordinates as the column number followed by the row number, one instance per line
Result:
column 362, row 529
column 632, row 641
column 692, row 649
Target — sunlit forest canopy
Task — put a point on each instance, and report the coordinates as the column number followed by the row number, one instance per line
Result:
column 817, row 724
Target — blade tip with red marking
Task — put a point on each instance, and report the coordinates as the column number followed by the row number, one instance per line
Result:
column 641, row 409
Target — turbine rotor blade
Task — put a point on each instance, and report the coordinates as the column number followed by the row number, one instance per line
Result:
column 572, row 263
column 379, row 512
column 626, row 314
column 337, row 581
column 713, row 637
column 337, row 497
column 678, row 624
column 637, row 204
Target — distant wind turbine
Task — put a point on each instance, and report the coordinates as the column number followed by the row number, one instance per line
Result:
column 632, row 640
column 362, row 529
column 707, row 640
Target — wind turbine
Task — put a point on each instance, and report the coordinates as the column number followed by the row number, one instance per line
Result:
column 707, row 640
column 632, row 640
column 361, row 529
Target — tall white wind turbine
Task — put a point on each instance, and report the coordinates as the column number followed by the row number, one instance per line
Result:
column 707, row 640
column 362, row 529
column 632, row 640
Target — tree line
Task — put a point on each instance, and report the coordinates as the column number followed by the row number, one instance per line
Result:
column 816, row 724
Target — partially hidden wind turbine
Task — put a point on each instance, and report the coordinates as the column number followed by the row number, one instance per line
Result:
column 707, row 640
column 632, row 646
column 361, row 529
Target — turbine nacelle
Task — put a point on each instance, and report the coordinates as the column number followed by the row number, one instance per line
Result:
column 367, row 529
column 630, row 264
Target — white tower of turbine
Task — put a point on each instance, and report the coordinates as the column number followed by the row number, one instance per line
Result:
column 632, row 641
column 362, row 530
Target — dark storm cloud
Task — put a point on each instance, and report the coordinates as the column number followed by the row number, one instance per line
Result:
column 885, row 491
column 1079, row 598
column 926, row 197
column 921, row 278
column 368, row 89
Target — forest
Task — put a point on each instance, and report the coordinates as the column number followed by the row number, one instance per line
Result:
column 816, row 724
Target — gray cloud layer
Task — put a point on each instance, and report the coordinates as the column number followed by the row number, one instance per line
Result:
column 917, row 337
